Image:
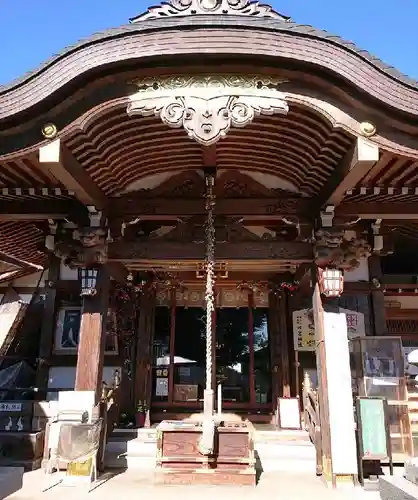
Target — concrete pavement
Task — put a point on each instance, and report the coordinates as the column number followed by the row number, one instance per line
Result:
column 132, row 484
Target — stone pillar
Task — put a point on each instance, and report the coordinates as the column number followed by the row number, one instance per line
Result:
column 339, row 451
column 89, row 371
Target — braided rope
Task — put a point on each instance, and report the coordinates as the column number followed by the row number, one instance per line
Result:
column 210, row 275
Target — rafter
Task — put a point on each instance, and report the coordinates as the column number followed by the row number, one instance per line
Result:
column 359, row 160
column 62, row 164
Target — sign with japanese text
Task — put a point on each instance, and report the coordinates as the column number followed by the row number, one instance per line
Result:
column 10, row 407
column 304, row 330
column 304, row 327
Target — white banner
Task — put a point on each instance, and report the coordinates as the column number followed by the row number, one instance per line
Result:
column 304, row 327
column 340, row 396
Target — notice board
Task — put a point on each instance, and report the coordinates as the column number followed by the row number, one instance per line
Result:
column 373, row 428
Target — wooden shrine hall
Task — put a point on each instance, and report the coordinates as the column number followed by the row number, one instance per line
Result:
column 206, row 158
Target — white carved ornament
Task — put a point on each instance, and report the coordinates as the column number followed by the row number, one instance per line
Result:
column 207, row 106
column 207, row 7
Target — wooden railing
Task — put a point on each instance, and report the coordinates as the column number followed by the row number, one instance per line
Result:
column 108, row 410
column 311, row 419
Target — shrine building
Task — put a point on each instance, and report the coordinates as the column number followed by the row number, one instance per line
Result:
column 207, row 156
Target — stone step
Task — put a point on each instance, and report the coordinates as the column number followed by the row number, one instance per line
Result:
column 149, row 435
column 271, row 464
column 115, row 461
column 132, row 447
column 272, row 456
column 148, row 447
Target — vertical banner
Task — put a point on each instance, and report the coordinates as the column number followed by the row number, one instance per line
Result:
column 340, row 395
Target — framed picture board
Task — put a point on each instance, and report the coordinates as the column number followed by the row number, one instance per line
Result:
column 288, row 414
column 67, row 331
column 373, row 431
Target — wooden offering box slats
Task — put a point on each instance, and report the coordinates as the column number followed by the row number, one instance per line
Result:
column 180, row 462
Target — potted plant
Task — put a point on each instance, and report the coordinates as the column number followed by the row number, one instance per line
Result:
column 141, row 413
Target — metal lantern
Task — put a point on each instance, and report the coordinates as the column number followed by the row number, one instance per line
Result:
column 88, row 281
column 331, row 282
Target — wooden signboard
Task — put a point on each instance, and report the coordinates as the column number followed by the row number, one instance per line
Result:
column 373, row 430
column 288, row 413
column 185, row 392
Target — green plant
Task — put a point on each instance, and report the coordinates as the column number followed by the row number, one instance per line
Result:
column 141, row 407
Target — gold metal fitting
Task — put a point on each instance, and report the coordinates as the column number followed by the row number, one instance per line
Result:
column 49, row 130
column 367, row 129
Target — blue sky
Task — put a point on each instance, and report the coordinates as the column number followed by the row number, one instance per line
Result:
column 33, row 30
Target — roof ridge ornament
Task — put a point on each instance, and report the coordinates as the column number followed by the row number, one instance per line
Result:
column 207, row 7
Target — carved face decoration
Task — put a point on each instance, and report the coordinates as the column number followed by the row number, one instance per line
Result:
column 208, row 106
column 92, row 237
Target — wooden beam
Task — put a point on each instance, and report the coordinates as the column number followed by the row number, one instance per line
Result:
column 209, row 154
column 62, row 164
column 14, row 261
column 350, row 171
column 381, row 210
column 169, row 251
column 33, row 210
column 152, row 208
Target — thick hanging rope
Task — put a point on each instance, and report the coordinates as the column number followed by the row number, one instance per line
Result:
column 206, row 443
column 210, row 275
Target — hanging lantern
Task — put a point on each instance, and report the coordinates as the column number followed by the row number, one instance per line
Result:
column 331, row 282
column 88, row 277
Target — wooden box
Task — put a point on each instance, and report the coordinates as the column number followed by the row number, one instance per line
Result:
column 180, row 462
column 21, row 449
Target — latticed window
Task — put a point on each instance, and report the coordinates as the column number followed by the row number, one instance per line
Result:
column 402, row 326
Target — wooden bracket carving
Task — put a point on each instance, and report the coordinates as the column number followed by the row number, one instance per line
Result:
column 82, row 247
column 208, row 106
column 332, row 248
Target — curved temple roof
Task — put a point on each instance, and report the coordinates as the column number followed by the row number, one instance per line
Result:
column 227, row 15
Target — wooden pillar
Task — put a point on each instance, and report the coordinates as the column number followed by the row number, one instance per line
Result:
column 377, row 297
column 294, row 362
column 251, row 345
column 89, row 371
column 274, row 339
column 338, row 441
column 173, row 305
column 284, row 352
column 145, row 338
column 213, row 333
column 48, row 324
